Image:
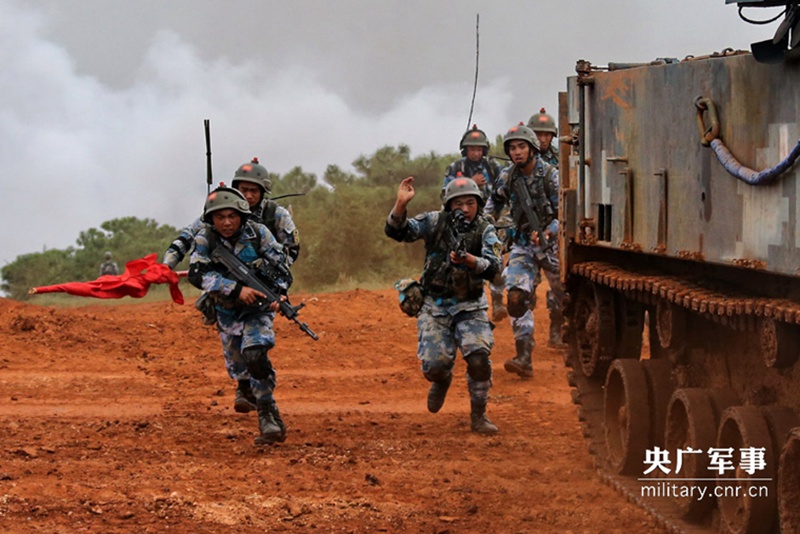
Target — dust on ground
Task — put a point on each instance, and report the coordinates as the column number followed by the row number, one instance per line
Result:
column 120, row 419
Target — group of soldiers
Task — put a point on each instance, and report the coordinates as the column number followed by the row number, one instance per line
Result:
column 243, row 219
column 483, row 219
column 494, row 211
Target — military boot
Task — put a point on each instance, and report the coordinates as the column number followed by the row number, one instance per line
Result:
column 556, row 322
column 270, row 425
column 499, row 311
column 521, row 363
column 480, row 424
column 245, row 400
column 437, row 393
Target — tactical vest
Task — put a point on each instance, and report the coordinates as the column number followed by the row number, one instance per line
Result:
column 538, row 187
column 268, row 216
column 543, row 171
column 442, row 280
column 460, row 166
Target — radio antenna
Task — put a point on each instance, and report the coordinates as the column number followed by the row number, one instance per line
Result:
column 477, row 57
column 209, row 178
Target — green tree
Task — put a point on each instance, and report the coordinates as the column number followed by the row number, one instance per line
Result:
column 294, row 181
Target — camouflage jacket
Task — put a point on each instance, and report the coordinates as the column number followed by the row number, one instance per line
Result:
column 252, row 242
column 489, row 168
column 543, row 182
column 450, row 288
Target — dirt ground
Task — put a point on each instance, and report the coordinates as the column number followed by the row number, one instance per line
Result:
column 120, row 419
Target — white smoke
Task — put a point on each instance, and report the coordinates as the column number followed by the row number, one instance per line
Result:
column 76, row 153
column 78, row 149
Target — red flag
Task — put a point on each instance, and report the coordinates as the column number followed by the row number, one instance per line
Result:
column 134, row 282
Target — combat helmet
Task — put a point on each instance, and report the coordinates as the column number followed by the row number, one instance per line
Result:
column 459, row 187
column 474, row 137
column 521, row 131
column 255, row 173
column 225, row 198
column 107, row 256
column 542, row 122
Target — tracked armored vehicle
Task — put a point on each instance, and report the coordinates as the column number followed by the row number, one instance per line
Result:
column 680, row 245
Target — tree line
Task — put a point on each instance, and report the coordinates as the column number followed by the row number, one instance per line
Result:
column 340, row 225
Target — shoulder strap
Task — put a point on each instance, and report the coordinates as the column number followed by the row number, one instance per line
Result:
column 268, row 217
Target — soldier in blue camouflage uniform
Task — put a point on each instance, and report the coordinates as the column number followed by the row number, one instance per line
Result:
column 474, row 164
column 276, row 218
column 244, row 328
column 252, row 180
column 527, row 252
column 453, row 314
column 544, row 126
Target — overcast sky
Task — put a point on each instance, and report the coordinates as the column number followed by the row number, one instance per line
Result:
column 102, row 101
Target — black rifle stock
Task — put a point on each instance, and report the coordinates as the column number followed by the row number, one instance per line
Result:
column 244, row 274
column 533, row 222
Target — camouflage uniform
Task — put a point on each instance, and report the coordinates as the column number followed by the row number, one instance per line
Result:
column 280, row 223
column 523, row 267
column 550, row 155
column 253, row 329
column 467, row 168
column 108, row 266
column 453, row 315
column 182, row 244
column 491, row 170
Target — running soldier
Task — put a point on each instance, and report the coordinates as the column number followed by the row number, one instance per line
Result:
column 475, row 164
column 532, row 248
column 544, row 126
column 461, row 251
column 244, row 328
column 252, row 180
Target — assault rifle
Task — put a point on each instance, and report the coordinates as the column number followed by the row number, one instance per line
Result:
column 538, row 216
column 267, row 280
column 456, row 233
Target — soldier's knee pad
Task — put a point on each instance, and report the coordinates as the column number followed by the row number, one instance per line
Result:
column 257, row 362
column 478, row 366
column 437, row 371
column 518, row 302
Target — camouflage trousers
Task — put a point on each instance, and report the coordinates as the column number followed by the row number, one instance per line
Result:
column 441, row 336
column 239, row 334
column 522, row 272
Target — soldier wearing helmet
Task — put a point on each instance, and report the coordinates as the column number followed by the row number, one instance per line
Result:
column 532, row 249
column 474, row 163
column 253, row 181
column 544, row 126
column 108, row 266
column 461, row 251
column 245, row 330
column 474, row 146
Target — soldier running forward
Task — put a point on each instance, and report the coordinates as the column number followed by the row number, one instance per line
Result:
column 474, row 164
column 544, row 126
column 252, row 180
column 532, row 182
column 461, row 251
column 244, row 329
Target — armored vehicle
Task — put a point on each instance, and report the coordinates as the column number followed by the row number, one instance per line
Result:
column 680, row 251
